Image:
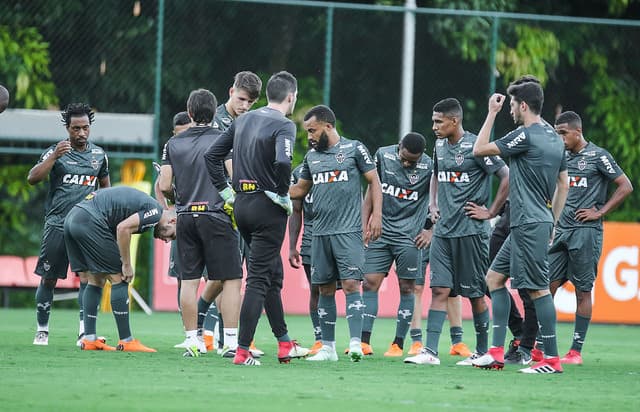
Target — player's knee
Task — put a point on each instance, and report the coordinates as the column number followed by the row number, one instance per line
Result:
column 48, row 283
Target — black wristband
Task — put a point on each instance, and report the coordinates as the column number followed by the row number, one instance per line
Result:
column 428, row 224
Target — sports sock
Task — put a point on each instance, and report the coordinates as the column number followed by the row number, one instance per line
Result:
column 405, row 314
column 44, row 299
column 354, row 314
column 120, row 308
column 435, row 321
column 366, row 337
column 212, row 317
column 327, row 315
column 456, row 334
column 231, row 337
column 416, row 335
column 315, row 321
column 399, row 341
column 203, row 307
column 91, row 300
column 546, row 312
column 83, row 286
column 220, row 330
column 580, row 332
column 481, row 324
column 500, row 304
column 370, row 311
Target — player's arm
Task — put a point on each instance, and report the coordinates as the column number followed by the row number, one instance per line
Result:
column 374, row 223
column 159, row 195
column 295, row 223
column 105, row 182
column 165, row 182
column 480, row 212
column 623, row 189
column 215, row 156
column 434, row 210
column 367, row 208
column 124, row 230
column 41, row 170
column 482, row 146
column 300, row 189
column 560, row 195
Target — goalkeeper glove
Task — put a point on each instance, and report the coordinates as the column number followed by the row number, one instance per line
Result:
column 228, row 209
column 228, row 195
column 282, row 201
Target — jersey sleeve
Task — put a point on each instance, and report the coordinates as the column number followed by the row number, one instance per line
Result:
column 490, row 164
column 166, row 159
column 363, row 158
column 378, row 159
column 45, row 155
column 285, row 139
column 305, row 173
column 149, row 217
column 513, row 143
column 104, row 170
column 608, row 166
column 215, row 156
column 435, row 161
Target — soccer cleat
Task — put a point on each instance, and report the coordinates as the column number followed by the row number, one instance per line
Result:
column 227, row 352
column 182, row 345
column 425, row 357
column 79, row 340
column 460, row 349
column 208, row 342
column 255, row 352
column 517, row 358
column 469, row 360
column 394, row 351
column 356, row 352
column 133, row 346
column 513, row 349
column 290, row 350
column 494, row 359
column 41, row 338
column 97, row 344
column 191, row 352
column 244, row 357
column 415, row 349
column 573, row 357
column 537, row 355
column 366, row 349
column 324, row 354
column 549, row 365
column 315, row 348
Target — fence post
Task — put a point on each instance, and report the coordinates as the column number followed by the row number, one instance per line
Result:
column 328, row 50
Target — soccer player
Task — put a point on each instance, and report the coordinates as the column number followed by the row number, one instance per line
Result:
column 577, row 243
column 206, row 236
column 97, row 235
column 334, row 168
column 538, row 169
column 405, row 172
column 243, row 94
column 459, row 253
column 302, row 215
column 75, row 167
column 262, row 142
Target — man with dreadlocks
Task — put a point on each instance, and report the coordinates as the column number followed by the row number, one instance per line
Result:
column 75, row 168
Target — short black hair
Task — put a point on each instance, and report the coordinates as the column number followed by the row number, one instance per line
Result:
column 201, row 106
column 280, row 85
column 76, row 110
column 450, row 107
column 322, row 113
column 571, row 118
column 413, row 142
column 529, row 90
column 249, row 82
column 180, row 119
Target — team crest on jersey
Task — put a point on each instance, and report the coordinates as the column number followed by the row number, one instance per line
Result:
column 459, row 158
column 94, row 163
column 340, row 157
column 46, row 266
column 582, row 164
column 413, row 178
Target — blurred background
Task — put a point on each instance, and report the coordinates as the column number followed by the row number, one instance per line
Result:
column 144, row 57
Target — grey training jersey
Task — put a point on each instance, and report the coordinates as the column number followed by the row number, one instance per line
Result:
column 462, row 177
column 185, row 154
column 115, row 204
column 405, row 195
column 590, row 172
column 537, row 157
column 337, row 192
column 222, row 119
column 307, row 209
column 73, row 176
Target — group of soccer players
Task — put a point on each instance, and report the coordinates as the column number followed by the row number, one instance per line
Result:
column 416, row 209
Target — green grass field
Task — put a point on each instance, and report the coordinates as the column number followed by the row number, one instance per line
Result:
column 61, row 377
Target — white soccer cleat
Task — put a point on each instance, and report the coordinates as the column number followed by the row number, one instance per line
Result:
column 469, row 361
column 355, row 351
column 41, row 338
column 182, row 345
column 324, row 354
column 423, row 358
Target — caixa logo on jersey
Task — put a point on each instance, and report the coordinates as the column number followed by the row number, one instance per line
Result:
column 578, row 181
column 82, row 180
column 330, row 177
column 453, row 177
column 399, row 192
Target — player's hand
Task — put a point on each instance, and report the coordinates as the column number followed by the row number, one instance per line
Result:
column 294, row 258
column 478, row 212
column 228, row 195
column 127, row 273
column 282, row 201
column 423, row 240
column 62, row 148
column 434, row 211
column 495, row 102
column 228, row 209
column 586, row 215
column 373, row 230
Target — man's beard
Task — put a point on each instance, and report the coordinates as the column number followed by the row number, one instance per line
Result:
column 323, row 142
